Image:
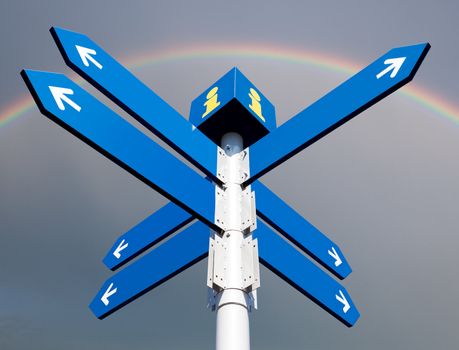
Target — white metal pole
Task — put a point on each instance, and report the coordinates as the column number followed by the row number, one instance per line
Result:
column 232, row 303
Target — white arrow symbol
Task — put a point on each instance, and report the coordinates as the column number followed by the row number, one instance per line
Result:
column 342, row 299
column 121, row 247
column 108, row 293
column 86, row 56
column 395, row 65
column 59, row 95
column 335, row 256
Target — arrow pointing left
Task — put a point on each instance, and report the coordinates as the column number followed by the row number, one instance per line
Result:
column 108, row 293
column 60, row 96
column 86, row 56
column 122, row 246
column 121, row 142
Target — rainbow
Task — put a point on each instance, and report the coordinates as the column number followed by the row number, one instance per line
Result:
column 319, row 60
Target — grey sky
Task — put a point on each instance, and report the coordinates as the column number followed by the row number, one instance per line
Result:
column 384, row 186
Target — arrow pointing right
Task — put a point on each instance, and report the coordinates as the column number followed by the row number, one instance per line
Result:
column 335, row 256
column 395, row 65
column 59, row 95
column 342, row 299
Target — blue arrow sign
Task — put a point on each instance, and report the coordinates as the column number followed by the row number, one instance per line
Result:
column 90, row 61
column 293, row 267
column 74, row 109
column 170, row 258
column 147, row 233
column 296, row 229
column 379, row 79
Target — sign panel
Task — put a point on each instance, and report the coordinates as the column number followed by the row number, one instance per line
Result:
column 255, row 102
column 294, row 268
column 91, row 121
column 379, row 79
column 233, row 104
column 299, row 231
column 146, row 234
column 89, row 60
column 170, row 258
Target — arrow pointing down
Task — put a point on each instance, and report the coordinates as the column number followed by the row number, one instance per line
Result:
column 118, row 249
column 335, row 256
column 86, row 56
column 108, row 293
column 395, row 65
column 59, row 95
column 342, row 299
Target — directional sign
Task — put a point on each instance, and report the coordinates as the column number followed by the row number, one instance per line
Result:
column 295, row 228
column 150, row 231
column 193, row 196
column 379, row 79
column 170, row 258
column 90, row 61
column 81, row 114
column 293, row 267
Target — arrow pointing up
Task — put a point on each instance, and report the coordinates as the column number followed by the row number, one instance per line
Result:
column 120, row 247
column 342, row 299
column 395, row 65
column 108, row 293
column 335, row 256
column 59, row 95
column 86, row 56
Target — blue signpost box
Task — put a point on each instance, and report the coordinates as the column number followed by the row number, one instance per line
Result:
column 229, row 216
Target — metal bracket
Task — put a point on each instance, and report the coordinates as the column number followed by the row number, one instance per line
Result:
column 248, row 215
column 222, row 165
column 212, row 295
column 248, row 211
column 215, row 267
column 217, row 262
column 211, row 299
column 253, row 304
column 253, row 211
column 220, row 214
column 250, row 265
